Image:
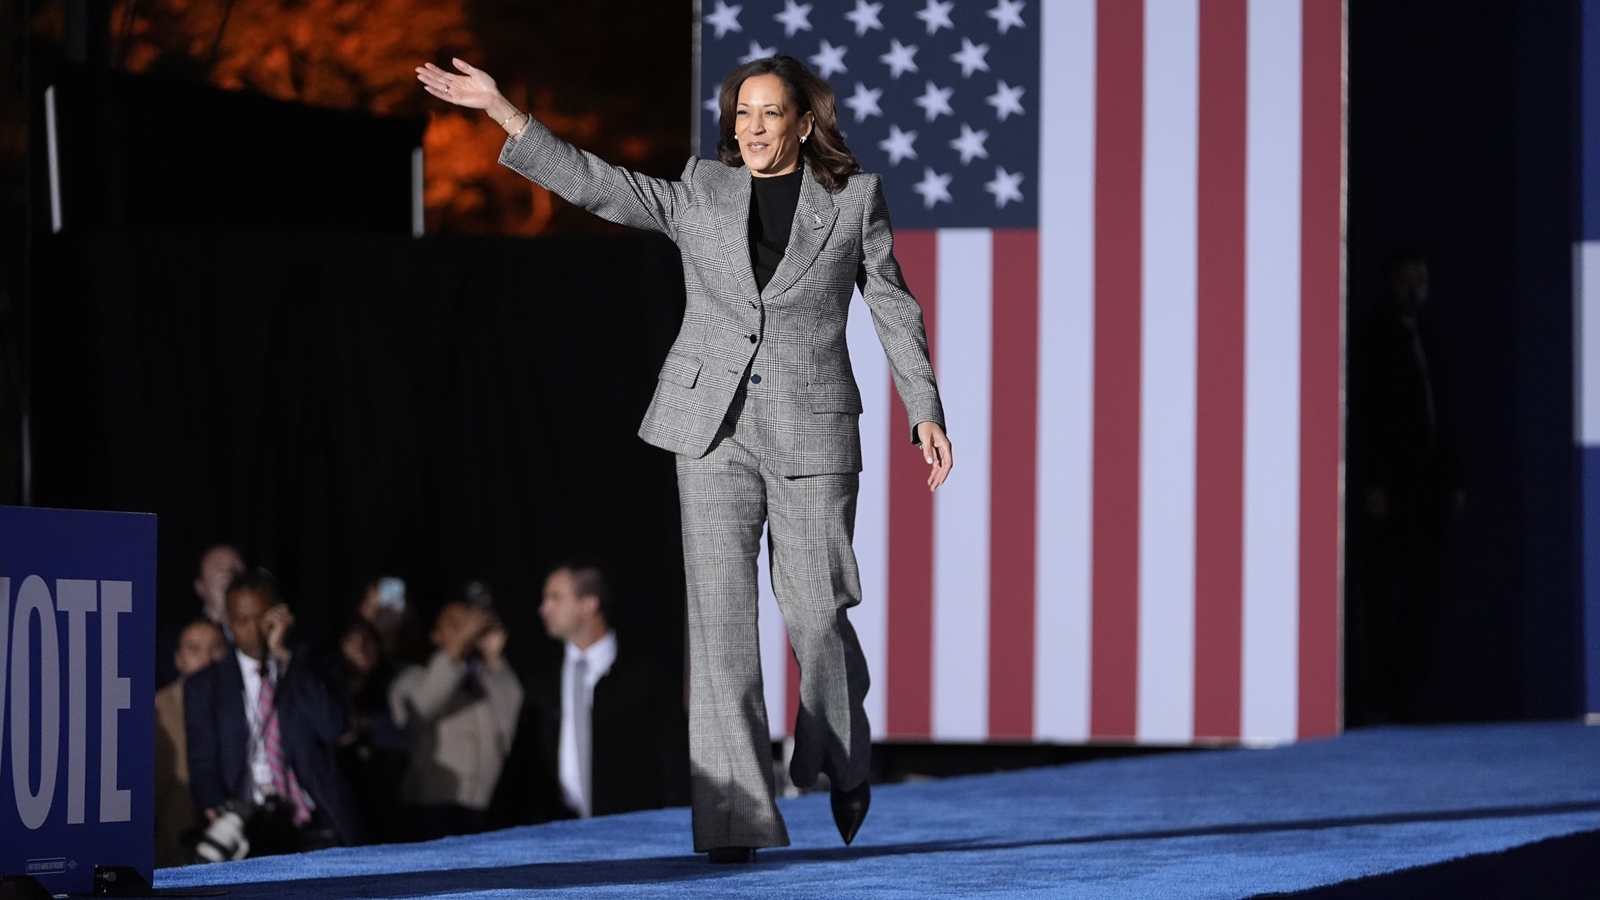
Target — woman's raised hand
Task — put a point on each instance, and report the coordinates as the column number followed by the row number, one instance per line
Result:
column 472, row 88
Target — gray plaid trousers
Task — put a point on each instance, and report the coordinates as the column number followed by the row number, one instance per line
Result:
column 725, row 497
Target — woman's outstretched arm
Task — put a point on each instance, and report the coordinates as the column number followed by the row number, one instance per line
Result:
column 898, row 319
column 611, row 192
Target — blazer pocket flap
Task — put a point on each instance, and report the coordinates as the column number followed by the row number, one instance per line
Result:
column 680, row 369
column 830, row 366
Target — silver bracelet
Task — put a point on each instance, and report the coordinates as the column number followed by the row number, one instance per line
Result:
column 526, row 118
column 510, row 117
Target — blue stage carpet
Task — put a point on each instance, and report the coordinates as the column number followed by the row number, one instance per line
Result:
column 1222, row 824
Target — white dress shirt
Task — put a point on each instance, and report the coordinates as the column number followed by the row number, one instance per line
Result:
column 260, row 772
column 598, row 658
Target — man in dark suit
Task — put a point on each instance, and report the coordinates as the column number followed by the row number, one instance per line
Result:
column 602, row 732
column 1405, row 490
column 263, row 727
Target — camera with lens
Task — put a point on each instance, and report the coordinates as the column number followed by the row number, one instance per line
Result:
column 478, row 595
column 224, row 837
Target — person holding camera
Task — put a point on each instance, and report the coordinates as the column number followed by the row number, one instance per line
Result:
column 263, row 727
column 460, row 715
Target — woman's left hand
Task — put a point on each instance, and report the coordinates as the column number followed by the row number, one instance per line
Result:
column 936, row 450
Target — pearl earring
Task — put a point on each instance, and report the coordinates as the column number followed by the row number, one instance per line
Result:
column 803, row 138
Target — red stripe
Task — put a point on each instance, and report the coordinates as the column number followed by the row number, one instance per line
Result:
column 1321, row 321
column 1119, row 136
column 792, row 688
column 908, row 675
column 1013, row 436
column 1219, row 387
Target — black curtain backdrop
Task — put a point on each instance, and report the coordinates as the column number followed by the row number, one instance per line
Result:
column 1462, row 146
column 345, row 407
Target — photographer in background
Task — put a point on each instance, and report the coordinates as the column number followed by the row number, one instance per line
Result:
column 219, row 565
column 372, row 754
column 384, row 606
column 460, row 714
column 200, row 644
column 262, row 728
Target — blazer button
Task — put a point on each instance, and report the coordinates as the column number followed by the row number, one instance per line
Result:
column 755, row 379
column 752, row 339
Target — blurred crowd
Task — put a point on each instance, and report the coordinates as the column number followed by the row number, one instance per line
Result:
column 266, row 743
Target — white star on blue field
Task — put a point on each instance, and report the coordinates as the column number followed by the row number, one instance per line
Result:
column 940, row 97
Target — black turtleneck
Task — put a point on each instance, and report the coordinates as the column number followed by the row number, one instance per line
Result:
column 772, row 205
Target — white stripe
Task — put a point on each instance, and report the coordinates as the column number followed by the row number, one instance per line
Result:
column 1589, row 345
column 1167, row 372
column 871, row 618
column 1272, row 374
column 1066, row 369
column 963, row 329
column 774, row 650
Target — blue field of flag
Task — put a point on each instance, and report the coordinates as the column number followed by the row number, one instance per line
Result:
column 940, row 99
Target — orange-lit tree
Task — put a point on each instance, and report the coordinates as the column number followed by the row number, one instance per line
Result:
column 560, row 61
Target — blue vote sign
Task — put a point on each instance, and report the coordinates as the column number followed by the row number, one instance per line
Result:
column 77, row 694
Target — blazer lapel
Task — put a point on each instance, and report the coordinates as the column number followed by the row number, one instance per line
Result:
column 233, row 724
column 813, row 222
column 734, row 229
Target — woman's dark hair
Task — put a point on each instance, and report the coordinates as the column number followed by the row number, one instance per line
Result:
column 359, row 625
column 830, row 161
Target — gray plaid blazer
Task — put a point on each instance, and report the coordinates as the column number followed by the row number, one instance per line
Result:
column 785, row 343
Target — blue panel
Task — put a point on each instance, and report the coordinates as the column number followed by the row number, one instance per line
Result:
column 78, row 620
column 1591, row 119
column 1591, row 577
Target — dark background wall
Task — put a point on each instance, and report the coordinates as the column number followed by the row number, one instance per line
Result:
column 236, row 330
column 1463, row 147
column 344, row 407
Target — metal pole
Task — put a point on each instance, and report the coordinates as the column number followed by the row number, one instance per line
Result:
column 419, row 212
column 52, row 158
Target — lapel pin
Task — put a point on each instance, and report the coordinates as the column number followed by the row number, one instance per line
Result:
column 816, row 220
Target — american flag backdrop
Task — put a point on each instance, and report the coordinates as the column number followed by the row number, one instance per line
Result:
column 1124, row 222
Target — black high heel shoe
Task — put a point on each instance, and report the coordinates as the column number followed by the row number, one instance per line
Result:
column 732, row 855
column 850, row 809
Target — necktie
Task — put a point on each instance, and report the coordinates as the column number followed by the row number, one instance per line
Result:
column 1421, row 358
column 283, row 781
column 580, row 731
